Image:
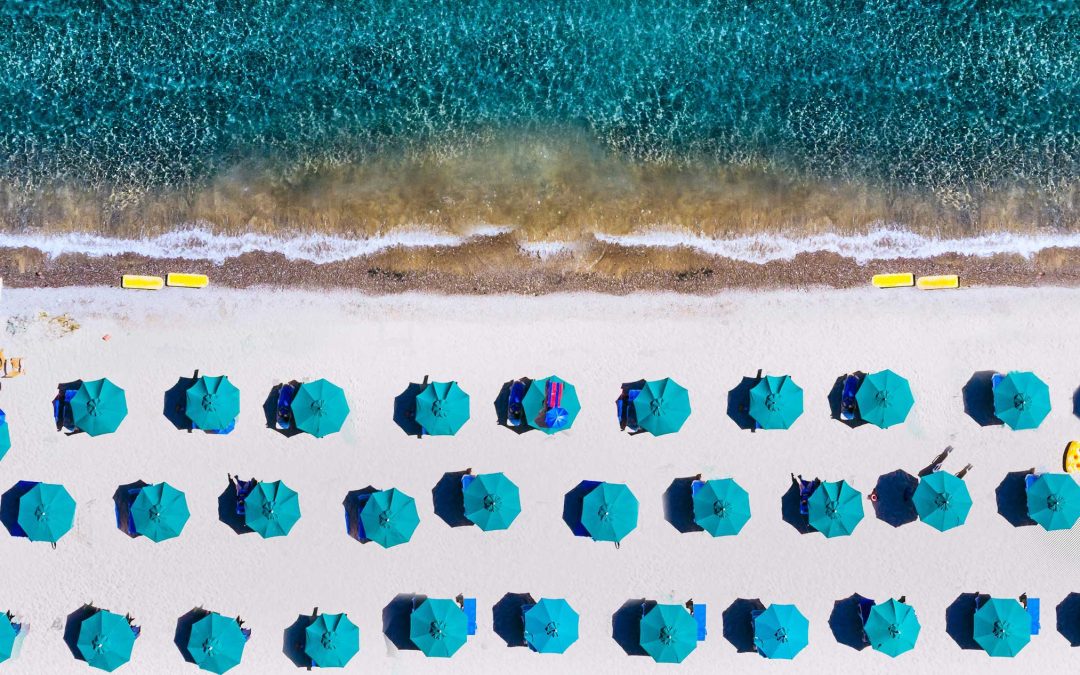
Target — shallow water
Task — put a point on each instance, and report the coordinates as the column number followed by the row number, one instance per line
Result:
column 558, row 120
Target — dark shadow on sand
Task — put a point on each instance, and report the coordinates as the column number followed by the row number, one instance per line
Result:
column 293, row 640
column 502, row 404
column 405, row 409
column 572, row 504
column 9, row 506
column 183, row 631
column 507, row 621
column 836, row 397
column 122, row 505
column 789, row 511
column 978, row 396
column 738, row 403
column 395, row 619
column 270, row 412
column 449, row 500
column 679, row 505
column 846, row 624
column 960, row 621
column 175, row 402
column 227, row 511
column 738, row 622
column 1068, row 619
column 351, row 504
column 626, row 626
column 894, row 491
column 1012, row 499
column 61, row 391
column 71, row 628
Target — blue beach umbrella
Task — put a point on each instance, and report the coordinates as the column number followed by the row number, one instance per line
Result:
column 721, row 507
column 776, row 402
column 271, row 509
column 331, row 640
column 550, row 419
column 668, row 633
column 942, row 500
column 105, row 640
column 1053, row 501
column 442, row 408
column 551, row 626
column 216, row 643
column 1021, row 400
column 492, row 501
column 1002, row 627
column 892, row 628
column 5, row 435
column 46, row 512
column 160, row 512
column 438, row 627
column 835, row 509
column 389, row 517
column 662, row 406
column 609, row 512
column 781, row 632
column 8, row 635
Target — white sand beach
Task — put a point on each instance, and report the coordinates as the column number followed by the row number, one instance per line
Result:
column 375, row 346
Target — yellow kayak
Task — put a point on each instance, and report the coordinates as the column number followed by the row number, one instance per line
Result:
column 187, row 280
column 141, row 282
column 939, row 281
column 1072, row 457
column 895, row 280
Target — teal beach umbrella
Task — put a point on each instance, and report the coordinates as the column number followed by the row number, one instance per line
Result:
column 105, row 640
column 8, row 635
column 389, row 517
column 1002, row 627
column 776, row 402
column 550, row 419
column 98, row 407
column 551, row 626
column 892, row 628
column 319, row 408
column 442, row 408
column 271, row 509
column 331, row 640
column 1021, row 400
column 835, row 509
column 492, row 501
column 721, row 507
column 609, row 512
column 216, row 643
column 884, row 399
column 5, row 435
column 942, row 500
column 1053, row 501
column 662, row 406
column 46, row 512
column 212, row 403
column 160, row 512
column 438, row 627
column 668, row 633
column 781, row 632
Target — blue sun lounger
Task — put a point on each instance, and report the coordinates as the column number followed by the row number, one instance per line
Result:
column 1034, row 605
column 284, row 419
column 625, row 407
column 700, row 614
column 848, row 406
column 62, row 409
column 515, row 411
column 806, row 488
column 468, row 605
column 243, row 489
column 361, row 501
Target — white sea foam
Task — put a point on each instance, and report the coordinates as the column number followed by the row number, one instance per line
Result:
column 199, row 242
column 884, row 243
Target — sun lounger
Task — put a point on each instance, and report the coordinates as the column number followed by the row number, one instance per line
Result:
column 937, row 282
column 182, row 280
column 243, row 489
column 246, row 632
column 466, row 480
column 1033, row 607
column 848, row 405
column 137, row 630
column 361, row 501
column 62, row 409
column 806, row 488
column 893, row 280
column 627, row 414
column 468, row 605
column 515, row 412
column 700, row 614
column 140, row 282
column 284, row 418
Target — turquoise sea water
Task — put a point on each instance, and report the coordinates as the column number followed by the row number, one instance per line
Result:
column 944, row 97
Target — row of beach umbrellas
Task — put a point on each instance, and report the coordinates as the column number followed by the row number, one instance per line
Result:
column 492, row 501
column 212, row 403
column 440, row 627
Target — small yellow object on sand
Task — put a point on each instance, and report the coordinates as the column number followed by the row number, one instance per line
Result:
column 187, row 280
column 897, row 280
column 939, row 281
column 142, row 282
column 1072, row 457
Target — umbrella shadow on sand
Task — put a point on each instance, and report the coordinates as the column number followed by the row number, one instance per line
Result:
column 395, row 619
column 836, row 397
column 9, row 507
column 405, row 409
column 502, row 407
column 183, row 631
column 626, row 626
column 449, row 499
column 573, row 502
column 294, row 639
column 1068, row 619
column 894, row 491
column 227, row 511
column 175, row 402
column 270, row 410
column 978, row 396
column 738, row 620
column 679, row 505
column 64, row 407
column 960, row 620
column 352, row 512
column 507, row 621
column 1011, row 495
column 846, row 624
column 72, row 625
column 122, row 506
column 789, row 511
column 738, row 403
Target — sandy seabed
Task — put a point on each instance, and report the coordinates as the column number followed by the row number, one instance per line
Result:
column 374, row 346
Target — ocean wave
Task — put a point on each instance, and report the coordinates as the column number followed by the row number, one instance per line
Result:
column 885, row 243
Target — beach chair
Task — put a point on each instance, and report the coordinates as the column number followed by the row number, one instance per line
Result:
column 625, row 407
column 806, row 488
column 284, row 419
column 848, row 406
column 515, row 412
column 1033, row 607
column 137, row 630
column 246, row 632
column 243, row 489
column 554, row 414
column 62, row 409
column 468, row 605
column 700, row 613
column 361, row 501
column 12, row 367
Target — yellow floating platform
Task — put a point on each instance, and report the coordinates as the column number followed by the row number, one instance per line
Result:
column 939, row 281
column 897, row 280
column 187, row 280
column 1072, row 457
column 142, row 282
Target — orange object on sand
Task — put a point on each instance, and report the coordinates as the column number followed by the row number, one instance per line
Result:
column 1072, row 457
